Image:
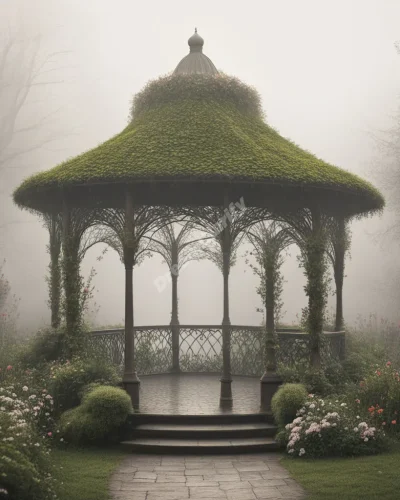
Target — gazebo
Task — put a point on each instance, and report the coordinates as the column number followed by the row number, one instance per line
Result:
column 197, row 143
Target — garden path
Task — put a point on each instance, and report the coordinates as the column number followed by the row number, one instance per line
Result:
column 227, row 477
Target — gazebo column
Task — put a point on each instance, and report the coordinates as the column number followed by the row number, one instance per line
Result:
column 72, row 283
column 226, row 379
column 316, row 288
column 270, row 381
column 130, row 379
column 174, row 310
column 340, row 252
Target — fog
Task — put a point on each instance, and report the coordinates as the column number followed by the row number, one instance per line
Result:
column 329, row 77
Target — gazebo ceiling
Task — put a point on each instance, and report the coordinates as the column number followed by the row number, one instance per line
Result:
column 192, row 134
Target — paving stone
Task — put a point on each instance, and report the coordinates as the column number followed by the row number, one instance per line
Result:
column 253, row 477
column 272, row 492
column 205, row 492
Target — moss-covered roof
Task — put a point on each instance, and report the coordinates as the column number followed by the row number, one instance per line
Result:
column 199, row 128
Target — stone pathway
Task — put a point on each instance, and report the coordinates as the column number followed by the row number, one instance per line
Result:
column 233, row 477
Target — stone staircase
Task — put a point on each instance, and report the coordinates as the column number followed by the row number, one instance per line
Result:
column 224, row 433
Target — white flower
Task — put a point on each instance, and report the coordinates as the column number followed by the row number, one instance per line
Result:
column 312, row 406
column 25, row 388
column 343, row 404
column 365, row 440
column 334, row 425
column 355, row 429
column 291, row 451
column 62, row 439
column 346, row 428
column 302, row 452
column 37, row 444
column 358, row 416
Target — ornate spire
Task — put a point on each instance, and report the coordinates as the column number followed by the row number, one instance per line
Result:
column 196, row 62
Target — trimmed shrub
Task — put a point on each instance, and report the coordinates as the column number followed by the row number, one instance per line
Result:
column 70, row 379
column 111, row 405
column 98, row 419
column 288, row 399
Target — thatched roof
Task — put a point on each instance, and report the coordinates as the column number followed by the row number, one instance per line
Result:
column 202, row 131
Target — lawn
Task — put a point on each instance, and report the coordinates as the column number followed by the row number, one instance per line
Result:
column 363, row 478
column 83, row 474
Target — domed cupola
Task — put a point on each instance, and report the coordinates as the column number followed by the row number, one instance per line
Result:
column 196, row 62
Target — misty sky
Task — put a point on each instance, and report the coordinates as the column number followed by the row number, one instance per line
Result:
column 329, row 77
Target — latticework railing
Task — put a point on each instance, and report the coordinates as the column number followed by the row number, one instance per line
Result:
column 200, row 348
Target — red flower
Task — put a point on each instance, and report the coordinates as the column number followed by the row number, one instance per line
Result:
column 378, row 373
column 388, row 363
column 380, row 411
column 394, row 422
column 371, row 409
column 9, row 367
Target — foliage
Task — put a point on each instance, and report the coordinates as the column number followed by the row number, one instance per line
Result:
column 98, row 418
column 315, row 381
column 287, row 400
column 46, row 346
column 380, row 393
column 70, row 378
column 8, row 313
column 325, row 428
column 26, row 423
column 175, row 134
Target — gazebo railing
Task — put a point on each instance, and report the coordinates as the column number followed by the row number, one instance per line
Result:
column 200, row 348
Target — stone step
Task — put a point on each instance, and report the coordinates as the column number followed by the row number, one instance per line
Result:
column 217, row 419
column 231, row 446
column 205, row 431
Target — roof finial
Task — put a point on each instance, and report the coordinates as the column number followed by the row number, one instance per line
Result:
column 195, row 30
column 196, row 42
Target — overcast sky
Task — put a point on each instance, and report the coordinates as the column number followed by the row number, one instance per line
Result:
column 329, row 77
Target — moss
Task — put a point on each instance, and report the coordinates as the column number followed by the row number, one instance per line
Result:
column 211, row 130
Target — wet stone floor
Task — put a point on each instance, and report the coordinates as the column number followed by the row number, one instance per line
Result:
column 196, row 394
column 229, row 477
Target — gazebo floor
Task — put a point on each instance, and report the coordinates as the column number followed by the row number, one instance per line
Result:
column 196, row 394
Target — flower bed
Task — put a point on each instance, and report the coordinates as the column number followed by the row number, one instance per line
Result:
column 330, row 428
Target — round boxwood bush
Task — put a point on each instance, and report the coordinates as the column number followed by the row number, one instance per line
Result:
column 286, row 402
column 111, row 405
column 98, row 419
column 20, row 478
column 70, row 379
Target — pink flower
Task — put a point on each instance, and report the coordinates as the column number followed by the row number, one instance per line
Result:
column 394, row 422
column 358, row 401
column 9, row 367
column 86, row 290
column 388, row 363
column 49, row 434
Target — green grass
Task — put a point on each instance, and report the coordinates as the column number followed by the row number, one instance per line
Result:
column 363, row 478
column 83, row 474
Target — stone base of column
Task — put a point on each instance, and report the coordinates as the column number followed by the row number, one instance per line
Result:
column 131, row 384
column 226, row 392
column 269, row 384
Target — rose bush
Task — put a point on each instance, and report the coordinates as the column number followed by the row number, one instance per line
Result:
column 326, row 428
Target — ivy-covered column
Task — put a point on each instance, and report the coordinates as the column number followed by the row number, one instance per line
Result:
column 270, row 381
column 340, row 251
column 174, row 312
column 226, row 379
column 72, row 282
column 130, row 379
column 316, row 287
column 54, row 279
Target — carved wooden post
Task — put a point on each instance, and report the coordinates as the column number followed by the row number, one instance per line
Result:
column 226, row 380
column 130, row 379
column 174, row 312
column 55, row 270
